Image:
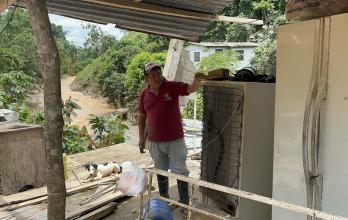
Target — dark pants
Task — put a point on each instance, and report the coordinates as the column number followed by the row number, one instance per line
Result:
column 163, row 185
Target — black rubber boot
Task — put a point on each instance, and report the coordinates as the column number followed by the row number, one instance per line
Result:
column 163, row 185
column 183, row 192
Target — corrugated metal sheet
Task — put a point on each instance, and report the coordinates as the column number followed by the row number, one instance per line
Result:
column 206, row 6
column 170, row 25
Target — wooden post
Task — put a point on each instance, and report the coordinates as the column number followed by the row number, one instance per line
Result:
column 53, row 128
column 149, row 198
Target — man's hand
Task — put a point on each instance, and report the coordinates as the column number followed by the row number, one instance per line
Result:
column 141, row 124
column 141, row 145
column 197, row 82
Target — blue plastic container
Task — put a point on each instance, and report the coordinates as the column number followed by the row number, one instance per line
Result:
column 159, row 210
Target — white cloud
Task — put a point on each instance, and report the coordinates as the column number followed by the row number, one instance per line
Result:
column 76, row 33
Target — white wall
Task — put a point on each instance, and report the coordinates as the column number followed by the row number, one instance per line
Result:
column 206, row 51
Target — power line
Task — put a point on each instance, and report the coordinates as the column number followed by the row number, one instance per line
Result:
column 10, row 19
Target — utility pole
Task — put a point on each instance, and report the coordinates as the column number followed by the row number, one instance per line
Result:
column 53, row 127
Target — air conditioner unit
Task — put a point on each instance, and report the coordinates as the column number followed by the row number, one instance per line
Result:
column 237, row 144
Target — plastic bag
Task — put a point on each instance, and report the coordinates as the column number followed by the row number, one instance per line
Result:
column 133, row 182
column 128, row 166
column 7, row 115
column 310, row 9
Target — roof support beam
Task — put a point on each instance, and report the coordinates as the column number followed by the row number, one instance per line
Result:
column 144, row 7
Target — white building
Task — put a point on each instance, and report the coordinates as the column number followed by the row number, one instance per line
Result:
column 200, row 50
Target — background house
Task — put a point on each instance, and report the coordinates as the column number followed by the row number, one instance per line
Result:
column 245, row 51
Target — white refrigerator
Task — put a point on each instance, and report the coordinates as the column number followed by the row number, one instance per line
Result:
column 311, row 117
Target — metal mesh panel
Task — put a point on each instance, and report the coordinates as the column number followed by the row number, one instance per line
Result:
column 221, row 144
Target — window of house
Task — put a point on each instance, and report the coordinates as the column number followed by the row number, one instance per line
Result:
column 218, row 50
column 240, row 55
column 196, row 56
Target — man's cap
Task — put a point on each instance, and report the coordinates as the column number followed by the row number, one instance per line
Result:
column 150, row 66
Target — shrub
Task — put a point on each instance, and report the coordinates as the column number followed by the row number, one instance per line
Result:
column 108, row 130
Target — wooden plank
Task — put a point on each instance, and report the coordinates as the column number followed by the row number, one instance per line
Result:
column 36, row 196
column 251, row 196
column 77, row 178
column 203, row 212
column 100, row 213
column 173, row 58
column 144, row 7
column 94, row 205
column 30, row 212
column 238, row 20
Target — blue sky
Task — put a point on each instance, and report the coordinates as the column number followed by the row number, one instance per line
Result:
column 76, row 33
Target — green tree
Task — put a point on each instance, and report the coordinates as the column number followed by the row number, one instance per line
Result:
column 19, row 45
column 8, row 61
column 108, row 130
column 16, row 85
column 265, row 58
column 97, row 42
column 18, row 49
column 223, row 59
column 135, row 71
column 266, row 10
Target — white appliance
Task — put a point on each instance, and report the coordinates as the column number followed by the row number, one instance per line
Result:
column 237, row 145
column 311, row 117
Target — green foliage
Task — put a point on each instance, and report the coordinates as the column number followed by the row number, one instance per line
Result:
column 270, row 11
column 97, row 41
column 68, row 52
column 69, row 108
column 19, row 45
column 266, row 10
column 4, row 100
column 87, row 77
column 108, row 130
column 8, row 61
column 15, row 84
column 135, row 71
column 156, row 44
column 98, row 125
column 188, row 111
column 265, row 58
column 222, row 59
column 74, row 140
column 108, row 73
column 18, row 49
column 113, row 87
column 27, row 115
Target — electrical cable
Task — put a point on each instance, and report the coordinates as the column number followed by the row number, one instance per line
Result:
column 228, row 122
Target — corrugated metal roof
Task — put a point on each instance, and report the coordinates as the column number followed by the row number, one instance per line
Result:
column 226, row 44
column 148, row 21
column 206, row 6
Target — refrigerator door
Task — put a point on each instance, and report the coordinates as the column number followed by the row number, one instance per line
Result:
column 296, row 44
column 333, row 161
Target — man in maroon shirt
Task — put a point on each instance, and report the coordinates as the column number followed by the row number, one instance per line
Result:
column 159, row 110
